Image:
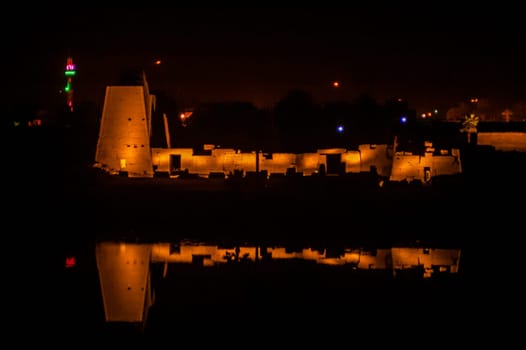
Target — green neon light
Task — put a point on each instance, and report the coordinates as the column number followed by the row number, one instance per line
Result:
column 70, row 72
column 68, row 87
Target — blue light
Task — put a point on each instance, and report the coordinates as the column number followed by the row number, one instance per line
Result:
column 403, row 119
column 340, row 129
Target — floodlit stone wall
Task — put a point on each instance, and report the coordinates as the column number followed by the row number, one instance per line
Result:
column 409, row 167
column 379, row 157
column 503, row 141
column 229, row 160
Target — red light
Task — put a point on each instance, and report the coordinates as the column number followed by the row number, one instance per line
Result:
column 71, row 261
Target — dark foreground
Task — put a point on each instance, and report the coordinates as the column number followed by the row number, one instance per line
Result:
column 296, row 302
column 57, row 213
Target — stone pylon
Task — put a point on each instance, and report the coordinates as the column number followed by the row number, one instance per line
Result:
column 123, row 145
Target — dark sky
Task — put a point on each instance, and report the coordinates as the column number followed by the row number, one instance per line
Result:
column 431, row 56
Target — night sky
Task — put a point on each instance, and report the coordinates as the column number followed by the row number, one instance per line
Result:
column 433, row 57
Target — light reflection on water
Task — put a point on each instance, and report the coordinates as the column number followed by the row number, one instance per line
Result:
column 129, row 272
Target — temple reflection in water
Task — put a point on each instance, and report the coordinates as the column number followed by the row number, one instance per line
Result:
column 124, row 268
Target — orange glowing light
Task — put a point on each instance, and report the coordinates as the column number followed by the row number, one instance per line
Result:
column 158, row 62
column 336, row 84
column 185, row 115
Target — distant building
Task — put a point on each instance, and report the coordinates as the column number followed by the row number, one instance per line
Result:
column 506, row 136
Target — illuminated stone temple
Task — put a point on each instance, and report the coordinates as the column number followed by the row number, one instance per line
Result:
column 124, row 147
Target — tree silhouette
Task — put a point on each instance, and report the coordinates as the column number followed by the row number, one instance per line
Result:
column 238, row 125
column 296, row 119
